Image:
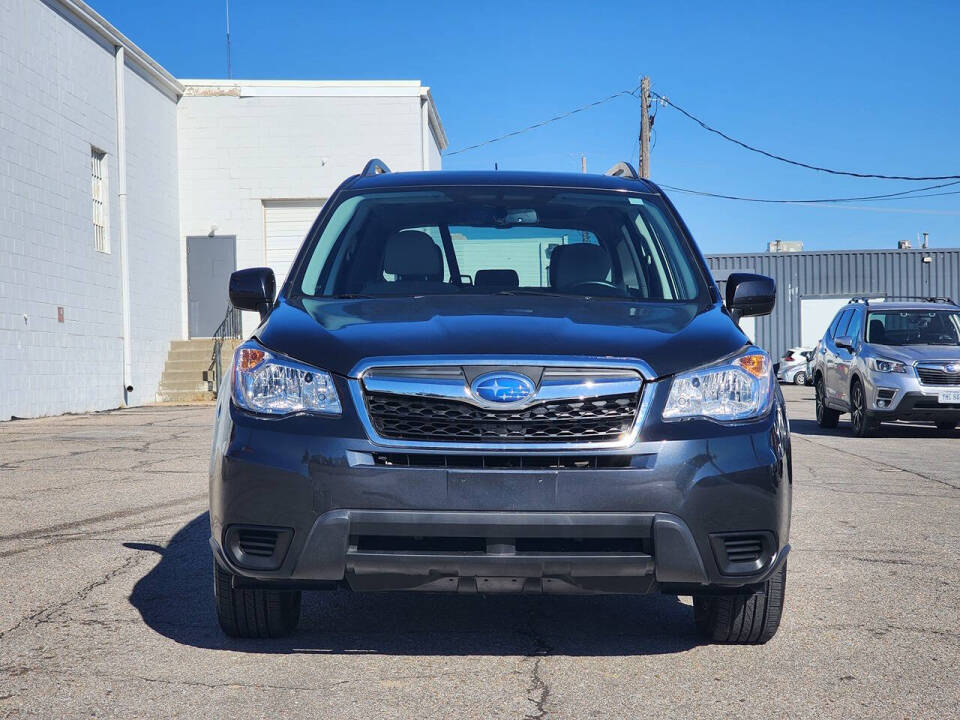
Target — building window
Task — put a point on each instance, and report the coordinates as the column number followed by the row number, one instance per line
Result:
column 98, row 185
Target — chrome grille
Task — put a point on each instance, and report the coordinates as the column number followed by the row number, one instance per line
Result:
column 937, row 375
column 571, row 406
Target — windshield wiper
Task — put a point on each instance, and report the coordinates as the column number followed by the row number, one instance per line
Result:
column 546, row 293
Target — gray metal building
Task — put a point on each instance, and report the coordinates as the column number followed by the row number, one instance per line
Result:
column 812, row 285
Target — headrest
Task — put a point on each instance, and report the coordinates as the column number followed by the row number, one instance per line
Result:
column 412, row 253
column 877, row 330
column 502, row 279
column 578, row 263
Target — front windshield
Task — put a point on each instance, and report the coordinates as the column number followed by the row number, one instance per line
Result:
column 501, row 240
column 914, row 327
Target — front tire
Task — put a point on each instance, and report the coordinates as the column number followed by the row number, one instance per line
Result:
column 254, row 613
column 800, row 378
column 743, row 619
column 860, row 421
column 827, row 418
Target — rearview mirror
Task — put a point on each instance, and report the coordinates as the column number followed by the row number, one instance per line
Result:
column 749, row 294
column 253, row 289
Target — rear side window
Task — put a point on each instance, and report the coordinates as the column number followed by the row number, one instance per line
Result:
column 841, row 317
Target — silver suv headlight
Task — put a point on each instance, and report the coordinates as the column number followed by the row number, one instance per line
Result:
column 737, row 388
column 886, row 366
column 274, row 385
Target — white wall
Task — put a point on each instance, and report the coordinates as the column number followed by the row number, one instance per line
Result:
column 245, row 143
column 153, row 221
column 57, row 98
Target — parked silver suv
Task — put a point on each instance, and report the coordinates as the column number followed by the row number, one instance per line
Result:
column 883, row 361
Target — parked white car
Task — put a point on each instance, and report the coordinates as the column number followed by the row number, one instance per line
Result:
column 793, row 366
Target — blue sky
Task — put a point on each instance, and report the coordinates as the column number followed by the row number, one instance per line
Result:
column 870, row 87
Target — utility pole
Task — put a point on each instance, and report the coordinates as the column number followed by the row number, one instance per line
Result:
column 583, row 163
column 229, row 59
column 645, row 127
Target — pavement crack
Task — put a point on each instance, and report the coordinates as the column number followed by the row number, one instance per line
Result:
column 48, row 613
column 538, row 691
column 878, row 462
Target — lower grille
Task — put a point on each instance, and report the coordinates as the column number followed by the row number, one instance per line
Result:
column 257, row 546
column 414, row 418
column 515, row 462
column 258, row 543
column 742, row 553
column 742, row 550
column 933, row 376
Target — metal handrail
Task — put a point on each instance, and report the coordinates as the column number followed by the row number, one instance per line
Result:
column 230, row 327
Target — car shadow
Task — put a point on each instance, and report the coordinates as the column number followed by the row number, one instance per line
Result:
column 175, row 599
column 892, row 430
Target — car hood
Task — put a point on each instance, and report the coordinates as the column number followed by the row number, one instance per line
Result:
column 336, row 334
column 910, row 354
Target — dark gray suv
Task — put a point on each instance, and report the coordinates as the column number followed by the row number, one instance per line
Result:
column 501, row 383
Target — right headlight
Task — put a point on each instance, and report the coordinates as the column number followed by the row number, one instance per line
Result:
column 737, row 388
column 270, row 384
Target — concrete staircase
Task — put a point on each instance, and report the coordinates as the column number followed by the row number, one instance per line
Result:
column 185, row 372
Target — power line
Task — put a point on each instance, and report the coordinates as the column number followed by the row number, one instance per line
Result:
column 781, row 158
column 903, row 195
column 540, row 124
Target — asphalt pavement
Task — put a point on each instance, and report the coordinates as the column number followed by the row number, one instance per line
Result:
column 106, row 601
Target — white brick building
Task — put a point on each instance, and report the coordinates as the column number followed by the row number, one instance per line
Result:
column 108, row 164
column 258, row 158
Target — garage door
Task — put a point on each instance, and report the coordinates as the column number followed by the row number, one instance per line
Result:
column 285, row 225
column 815, row 317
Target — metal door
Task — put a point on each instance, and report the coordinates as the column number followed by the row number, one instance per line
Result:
column 210, row 260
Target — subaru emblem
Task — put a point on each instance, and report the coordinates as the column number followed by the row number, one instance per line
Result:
column 502, row 388
column 952, row 367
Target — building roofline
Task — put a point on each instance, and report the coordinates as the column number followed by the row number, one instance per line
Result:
column 846, row 251
column 215, row 87
column 95, row 22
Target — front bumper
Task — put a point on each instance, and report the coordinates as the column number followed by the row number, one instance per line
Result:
column 901, row 396
column 662, row 518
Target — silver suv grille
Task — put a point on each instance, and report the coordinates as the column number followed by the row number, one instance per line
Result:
column 938, row 374
column 436, row 405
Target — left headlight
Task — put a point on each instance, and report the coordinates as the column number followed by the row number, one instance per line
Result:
column 737, row 388
column 886, row 366
column 272, row 385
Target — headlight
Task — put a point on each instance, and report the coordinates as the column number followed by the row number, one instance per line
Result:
column 272, row 385
column 738, row 388
column 881, row 365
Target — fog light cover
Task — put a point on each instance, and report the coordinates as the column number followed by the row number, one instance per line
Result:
column 272, row 385
column 737, row 388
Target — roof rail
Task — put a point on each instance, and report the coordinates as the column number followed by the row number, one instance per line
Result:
column 374, row 167
column 865, row 299
column 623, row 169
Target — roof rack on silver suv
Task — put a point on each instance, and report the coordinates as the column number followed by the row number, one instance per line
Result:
column 865, row 299
column 623, row 169
column 374, row 167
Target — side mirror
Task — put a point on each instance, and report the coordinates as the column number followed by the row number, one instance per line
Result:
column 253, row 289
column 845, row 342
column 749, row 294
